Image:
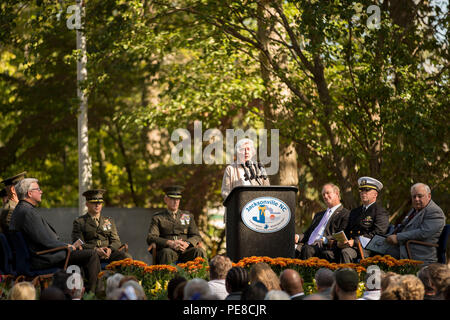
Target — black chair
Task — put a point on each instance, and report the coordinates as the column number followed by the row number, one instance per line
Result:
column 6, row 259
column 441, row 245
column 23, row 261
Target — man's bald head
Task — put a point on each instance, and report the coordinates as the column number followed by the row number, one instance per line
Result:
column 291, row 282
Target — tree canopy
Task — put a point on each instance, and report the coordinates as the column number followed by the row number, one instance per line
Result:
column 356, row 88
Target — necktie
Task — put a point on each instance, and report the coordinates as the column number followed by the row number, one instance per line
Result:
column 318, row 230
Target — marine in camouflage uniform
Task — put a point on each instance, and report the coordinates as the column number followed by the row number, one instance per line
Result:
column 10, row 205
column 174, row 231
column 97, row 231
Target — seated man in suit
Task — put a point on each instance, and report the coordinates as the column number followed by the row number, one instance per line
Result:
column 318, row 237
column 97, row 231
column 40, row 235
column 366, row 220
column 424, row 222
column 174, row 231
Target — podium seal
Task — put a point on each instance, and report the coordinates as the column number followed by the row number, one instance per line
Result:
column 266, row 214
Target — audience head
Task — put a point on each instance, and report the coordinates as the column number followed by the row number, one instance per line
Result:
column 236, row 279
column 178, row 293
column 277, row 295
column 173, row 283
column 255, row 291
column 324, row 279
column 434, row 277
column 52, row 293
column 197, row 289
column 291, row 282
column 112, row 283
column 406, row 287
column 139, row 293
column 264, row 273
column 345, row 284
column 218, row 267
column 22, row 291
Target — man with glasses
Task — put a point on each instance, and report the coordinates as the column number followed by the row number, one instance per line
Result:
column 366, row 220
column 424, row 222
column 40, row 235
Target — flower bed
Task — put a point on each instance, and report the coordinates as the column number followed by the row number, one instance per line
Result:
column 155, row 278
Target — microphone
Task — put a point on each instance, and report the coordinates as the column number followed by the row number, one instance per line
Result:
column 258, row 175
column 262, row 171
column 248, row 164
column 246, row 175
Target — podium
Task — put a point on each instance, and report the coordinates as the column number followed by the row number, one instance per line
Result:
column 260, row 221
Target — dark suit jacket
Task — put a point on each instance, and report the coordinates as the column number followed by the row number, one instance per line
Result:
column 374, row 221
column 39, row 235
column 103, row 235
column 336, row 223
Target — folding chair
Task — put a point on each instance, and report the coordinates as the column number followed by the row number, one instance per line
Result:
column 23, row 260
column 441, row 245
column 6, row 259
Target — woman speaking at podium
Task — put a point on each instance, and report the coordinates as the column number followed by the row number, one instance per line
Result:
column 245, row 171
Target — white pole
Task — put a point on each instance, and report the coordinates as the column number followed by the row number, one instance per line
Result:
column 84, row 161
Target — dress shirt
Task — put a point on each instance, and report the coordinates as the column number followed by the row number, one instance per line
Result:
column 317, row 234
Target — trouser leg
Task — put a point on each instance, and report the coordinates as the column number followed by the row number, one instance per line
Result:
column 166, row 256
column 191, row 254
column 90, row 262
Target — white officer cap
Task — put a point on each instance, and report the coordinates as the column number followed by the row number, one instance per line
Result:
column 368, row 182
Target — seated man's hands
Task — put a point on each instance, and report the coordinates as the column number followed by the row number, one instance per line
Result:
column 392, row 239
column 348, row 243
column 103, row 252
column 178, row 245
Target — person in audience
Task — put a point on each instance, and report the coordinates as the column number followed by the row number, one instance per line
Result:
column 345, row 284
column 52, row 293
column 172, row 285
column 197, row 289
column 424, row 222
column 254, row 291
column 430, row 290
column 292, row 283
column 139, row 292
column 112, row 283
column 372, row 286
column 434, row 278
column 317, row 240
column 405, row 287
column 263, row 272
column 324, row 281
column 218, row 269
column 40, row 235
column 236, row 282
column 366, row 220
column 277, row 295
column 62, row 280
column 178, row 293
column 22, row 291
